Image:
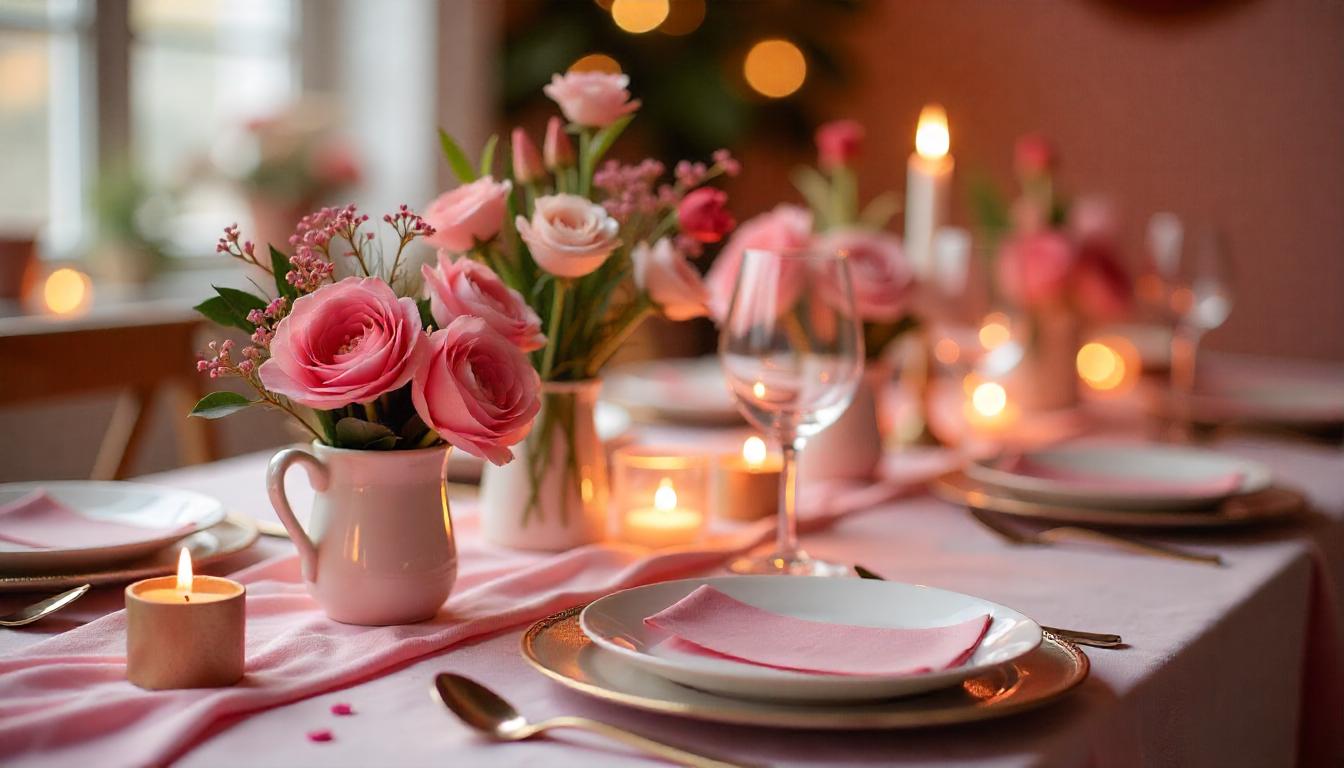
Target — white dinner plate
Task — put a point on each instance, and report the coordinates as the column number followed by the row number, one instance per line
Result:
column 616, row 623
column 684, row 390
column 160, row 511
column 1163, row 468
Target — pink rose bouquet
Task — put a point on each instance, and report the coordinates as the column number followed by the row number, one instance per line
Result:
column 364, row 361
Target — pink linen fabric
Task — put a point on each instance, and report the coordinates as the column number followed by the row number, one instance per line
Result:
column 41, row 522
column 66, row 699
column 712, row 621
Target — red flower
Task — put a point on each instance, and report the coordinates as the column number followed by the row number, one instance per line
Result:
column 1101, row 287
column 1033, row 156
column 839, row 143
column 702, row 215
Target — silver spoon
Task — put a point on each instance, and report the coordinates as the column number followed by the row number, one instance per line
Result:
column 484, row 710
column 42, row 608
column 1093, row 639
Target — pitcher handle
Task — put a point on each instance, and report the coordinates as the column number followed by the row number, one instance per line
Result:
column 318, row 477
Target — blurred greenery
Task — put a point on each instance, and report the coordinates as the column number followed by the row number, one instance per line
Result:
column 695, row 98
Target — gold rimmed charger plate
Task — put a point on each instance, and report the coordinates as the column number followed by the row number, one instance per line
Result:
column 1273, row 504
column 233, row 534
column 557, row 647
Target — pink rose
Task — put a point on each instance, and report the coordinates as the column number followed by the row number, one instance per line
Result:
column 1034, row 269
column 671, row 282
column 557, row 150
column 1101, row 287
column 476, row 389
column 839, row 143
column 786, row 229
column 347, row 342
column 466, row 287
column 526, row 159
column 569, row 236
column 472, row 212
column 702, row 215
column 882, row 279
column 594, row 99
column 1033, row 156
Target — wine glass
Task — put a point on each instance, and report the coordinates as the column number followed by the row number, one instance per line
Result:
column 1192, row 280
column 792, row 350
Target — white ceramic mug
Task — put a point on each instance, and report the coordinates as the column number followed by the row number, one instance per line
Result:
column 379, row 548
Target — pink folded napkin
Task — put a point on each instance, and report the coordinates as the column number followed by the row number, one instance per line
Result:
column 39, row 521
column 712, row 621
column 1217, row 485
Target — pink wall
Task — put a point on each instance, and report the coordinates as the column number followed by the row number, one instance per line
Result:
column 1231, row 114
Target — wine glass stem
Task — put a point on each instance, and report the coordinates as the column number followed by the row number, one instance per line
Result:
column 786, row 537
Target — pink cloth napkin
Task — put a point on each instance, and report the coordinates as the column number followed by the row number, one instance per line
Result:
column 67, row 700
column 711, row 620
column 39, row 521
column 1088, row 481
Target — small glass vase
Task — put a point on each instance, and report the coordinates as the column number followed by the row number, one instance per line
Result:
column 553, row 495
column 851, row 448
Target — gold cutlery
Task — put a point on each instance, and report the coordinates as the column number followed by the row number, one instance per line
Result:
column 1072, row 533
column 484, row 710
column 1093, row 639
column 43, row 608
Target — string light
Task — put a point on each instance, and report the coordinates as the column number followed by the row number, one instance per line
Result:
column 775, row 68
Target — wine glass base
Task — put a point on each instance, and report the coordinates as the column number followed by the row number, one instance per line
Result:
column 796, row 563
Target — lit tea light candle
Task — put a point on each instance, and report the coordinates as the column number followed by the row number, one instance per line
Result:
column 665, row 524
column 748, row 483
column 928, row 182
column 184, row 631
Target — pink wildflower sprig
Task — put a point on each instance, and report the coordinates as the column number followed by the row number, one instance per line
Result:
column 408, row 225
column 244, row 250
column 629, row 189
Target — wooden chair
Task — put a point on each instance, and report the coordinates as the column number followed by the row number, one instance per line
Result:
column 144, row 351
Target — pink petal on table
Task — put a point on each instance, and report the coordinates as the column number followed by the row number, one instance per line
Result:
column 320, row 735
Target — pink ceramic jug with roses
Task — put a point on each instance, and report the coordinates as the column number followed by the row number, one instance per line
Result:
column 379, row 547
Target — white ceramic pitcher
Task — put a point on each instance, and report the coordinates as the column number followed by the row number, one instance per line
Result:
column 379, row 548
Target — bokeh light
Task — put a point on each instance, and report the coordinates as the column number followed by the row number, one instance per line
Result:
column 995, row 331
column 989, row 399
column 66, row 291
column 684, row 17
column 596, row 62
column 1108, row 365
column 639, row 16
column 775, row 68
column 946, row 351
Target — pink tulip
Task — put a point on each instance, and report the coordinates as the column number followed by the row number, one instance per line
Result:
column 702, row 215
column 1033, row 156
column 473, row 212
column 468, row 288
column 347, row 342
column 476, row 389
column 839, row 143
column 557, row 149
column 1034, row 269
column 881, row 276
column 669, row 280
column 786, row 229
column 594, row 99
column 569, row 236
column 527, row 165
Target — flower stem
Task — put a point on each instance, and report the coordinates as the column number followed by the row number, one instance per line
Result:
column 430, row 437
column 553, row 329
column 636, row 315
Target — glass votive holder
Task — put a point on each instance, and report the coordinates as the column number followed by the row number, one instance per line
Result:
column 661, row 495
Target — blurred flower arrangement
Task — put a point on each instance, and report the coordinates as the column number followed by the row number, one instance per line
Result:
column 359, row 362
column 883, row 280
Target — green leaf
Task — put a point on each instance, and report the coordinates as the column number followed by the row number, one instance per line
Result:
column 816, row 190
column 488, row 154
column 220, row 312
column 280, row 266
column 219, row 404
column 457, row 159
column 602, row 141
column 364, row 435
column 880, row 210
column 426, row 317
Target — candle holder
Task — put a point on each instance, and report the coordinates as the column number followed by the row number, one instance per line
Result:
column 184, row 638
column 660, row 495
column 747, row 483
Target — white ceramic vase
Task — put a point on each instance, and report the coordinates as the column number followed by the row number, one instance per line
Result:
column 553, row 495
column 851, row 448
column 379, row 547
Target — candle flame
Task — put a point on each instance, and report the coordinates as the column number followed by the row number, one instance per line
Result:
column 758, row 389
column 989, row 399
column 184, row 576
column 665, row 498
column 932, row 139
column 753, row 451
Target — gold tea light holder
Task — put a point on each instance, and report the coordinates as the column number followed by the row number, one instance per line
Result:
column 185, row 631
column 746, row 485
column 661, row 495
